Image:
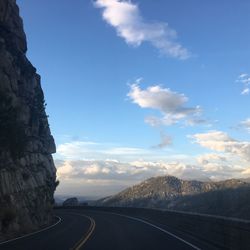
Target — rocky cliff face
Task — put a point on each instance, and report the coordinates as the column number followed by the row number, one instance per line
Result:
column 27, row 172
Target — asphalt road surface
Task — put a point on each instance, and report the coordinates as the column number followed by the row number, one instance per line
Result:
column 93, row 230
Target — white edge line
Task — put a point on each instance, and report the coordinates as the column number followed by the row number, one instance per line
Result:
column 27, row 235
column 161, row 229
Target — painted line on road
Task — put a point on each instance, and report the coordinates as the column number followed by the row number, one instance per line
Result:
column 27, row 235
column 84, row 239
column 159, row 228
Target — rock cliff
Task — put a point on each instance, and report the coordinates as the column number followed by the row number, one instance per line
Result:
column 27, row 171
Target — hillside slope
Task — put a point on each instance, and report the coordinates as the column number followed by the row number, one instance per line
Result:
column 168, row 192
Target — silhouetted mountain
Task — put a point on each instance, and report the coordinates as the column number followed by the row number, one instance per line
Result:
column 168, row 192
column 71, row 202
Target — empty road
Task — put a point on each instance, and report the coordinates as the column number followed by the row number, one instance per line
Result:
column 93, row 230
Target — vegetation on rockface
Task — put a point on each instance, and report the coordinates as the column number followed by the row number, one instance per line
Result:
column 7, row 215
column 38, row 114
column 57, row 182
column 12, row 137
column 26, row 176
column 7, row 212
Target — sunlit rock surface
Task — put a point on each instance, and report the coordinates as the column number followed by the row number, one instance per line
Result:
column 27, row 171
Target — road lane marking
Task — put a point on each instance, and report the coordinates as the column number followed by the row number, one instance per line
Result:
column 27, row 235
column 159, row 228
column 84, row 239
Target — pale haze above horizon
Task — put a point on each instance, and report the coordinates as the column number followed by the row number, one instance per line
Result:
column 142, row 88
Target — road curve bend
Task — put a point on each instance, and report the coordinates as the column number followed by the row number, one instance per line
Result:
column 93, row 230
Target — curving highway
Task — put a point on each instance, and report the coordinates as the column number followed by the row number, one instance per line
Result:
column 93, row 230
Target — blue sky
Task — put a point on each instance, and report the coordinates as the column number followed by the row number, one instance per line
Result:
column 112, row 68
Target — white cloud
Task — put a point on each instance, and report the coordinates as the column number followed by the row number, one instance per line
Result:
column 207, row 158
column 77, row 149
column 245, row 124
column 157, row 97
column 81, row 150
column 245, row 91
column 221, row 142
column 104, row 177
column 246, row 172
column 171, row 104
column 243, row 75
column 126, row 174
column 93, row 169
column 244, row 78
column 64, row 169
column 125, row 151
column 126, row 18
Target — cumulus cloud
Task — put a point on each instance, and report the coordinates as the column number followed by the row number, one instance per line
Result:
column 136, row 171
column 65, row 169
column 222, row 166
column 246, row 172
column 126, row 18
column 171, row 104
column 106, row 174
column 244, row 78
column 207, row 158
column 108, row 170
column 222, row 142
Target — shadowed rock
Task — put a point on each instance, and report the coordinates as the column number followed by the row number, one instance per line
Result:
column 27, row 171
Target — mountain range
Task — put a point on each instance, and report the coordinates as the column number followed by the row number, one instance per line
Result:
column 227, row 198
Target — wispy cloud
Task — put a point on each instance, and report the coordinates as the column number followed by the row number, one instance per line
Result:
column 126, row 18
column 244, row 78
column 171, row 104
column 81, row 150
column 166, row 141
column 245, row 125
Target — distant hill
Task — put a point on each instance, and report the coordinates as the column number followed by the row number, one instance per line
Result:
column 59, row 199
column 230, row 197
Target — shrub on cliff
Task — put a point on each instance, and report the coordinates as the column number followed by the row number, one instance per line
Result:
column 12, row 136
column 7, row 215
